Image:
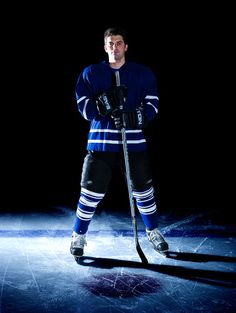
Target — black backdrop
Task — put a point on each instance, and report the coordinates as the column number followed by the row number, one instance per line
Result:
column 43, row 137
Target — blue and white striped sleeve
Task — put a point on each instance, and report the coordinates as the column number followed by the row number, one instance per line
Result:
column 85, row 98
column 151, row 98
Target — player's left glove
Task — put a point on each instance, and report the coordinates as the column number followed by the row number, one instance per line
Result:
column 130, row 120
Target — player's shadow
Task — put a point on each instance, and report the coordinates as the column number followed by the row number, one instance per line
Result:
column 199, row 257
column 212, row 277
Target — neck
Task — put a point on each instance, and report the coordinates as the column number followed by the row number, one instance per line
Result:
column 116, row 64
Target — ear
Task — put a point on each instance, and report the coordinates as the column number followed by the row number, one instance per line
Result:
column 126, row 47
column 105, row 48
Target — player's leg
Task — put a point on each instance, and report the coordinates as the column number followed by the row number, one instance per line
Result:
column 143, row 192
column 95, row 178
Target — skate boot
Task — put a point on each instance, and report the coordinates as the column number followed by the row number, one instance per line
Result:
column 158, row 241
column 77, row 245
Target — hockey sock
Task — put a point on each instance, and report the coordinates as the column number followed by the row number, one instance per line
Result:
column 146, row 205
column 87, row 205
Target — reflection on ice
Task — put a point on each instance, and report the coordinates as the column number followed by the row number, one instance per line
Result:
column 121, row 284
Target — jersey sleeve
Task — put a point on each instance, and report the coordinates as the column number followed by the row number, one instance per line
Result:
column 85, row 96
column 150, row 97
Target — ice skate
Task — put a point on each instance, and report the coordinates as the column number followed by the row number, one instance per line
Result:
column 158, row 241
column 77, row 245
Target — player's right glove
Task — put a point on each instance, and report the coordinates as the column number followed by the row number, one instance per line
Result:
column 117, row 117
column 111, row 100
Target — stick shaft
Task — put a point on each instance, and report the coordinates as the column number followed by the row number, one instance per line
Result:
column 131, row 199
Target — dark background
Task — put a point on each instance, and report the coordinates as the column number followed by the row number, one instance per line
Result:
column 43, row 137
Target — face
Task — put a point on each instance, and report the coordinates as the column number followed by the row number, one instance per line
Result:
column 115, row 48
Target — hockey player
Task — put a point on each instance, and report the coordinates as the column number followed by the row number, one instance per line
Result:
column 108, row 108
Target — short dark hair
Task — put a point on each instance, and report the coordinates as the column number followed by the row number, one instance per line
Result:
column 113, row 31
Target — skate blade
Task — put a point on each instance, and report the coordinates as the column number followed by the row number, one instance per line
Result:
column 163, row 254
column 77, row 258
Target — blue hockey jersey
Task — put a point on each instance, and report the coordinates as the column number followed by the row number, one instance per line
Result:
column 142, row 88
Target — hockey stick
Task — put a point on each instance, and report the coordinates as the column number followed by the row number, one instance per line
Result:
column 131, row 199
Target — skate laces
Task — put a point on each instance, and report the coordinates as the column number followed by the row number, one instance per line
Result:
column 154, row 235
column 79, row 240
column 158, row 241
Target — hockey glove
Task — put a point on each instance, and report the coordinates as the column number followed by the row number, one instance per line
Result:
column 130, row 120
column 118, row 119
column 111, row 100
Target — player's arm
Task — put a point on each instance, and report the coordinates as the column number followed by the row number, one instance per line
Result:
column 84, row 97
column 150, row 98
column 92, row 104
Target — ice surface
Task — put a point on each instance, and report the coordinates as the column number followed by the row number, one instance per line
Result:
column 38, row 273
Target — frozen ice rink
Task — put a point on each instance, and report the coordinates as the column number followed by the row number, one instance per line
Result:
column 38, row 273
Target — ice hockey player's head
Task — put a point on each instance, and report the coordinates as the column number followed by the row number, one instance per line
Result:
column 115, row 45
column 116, row 31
